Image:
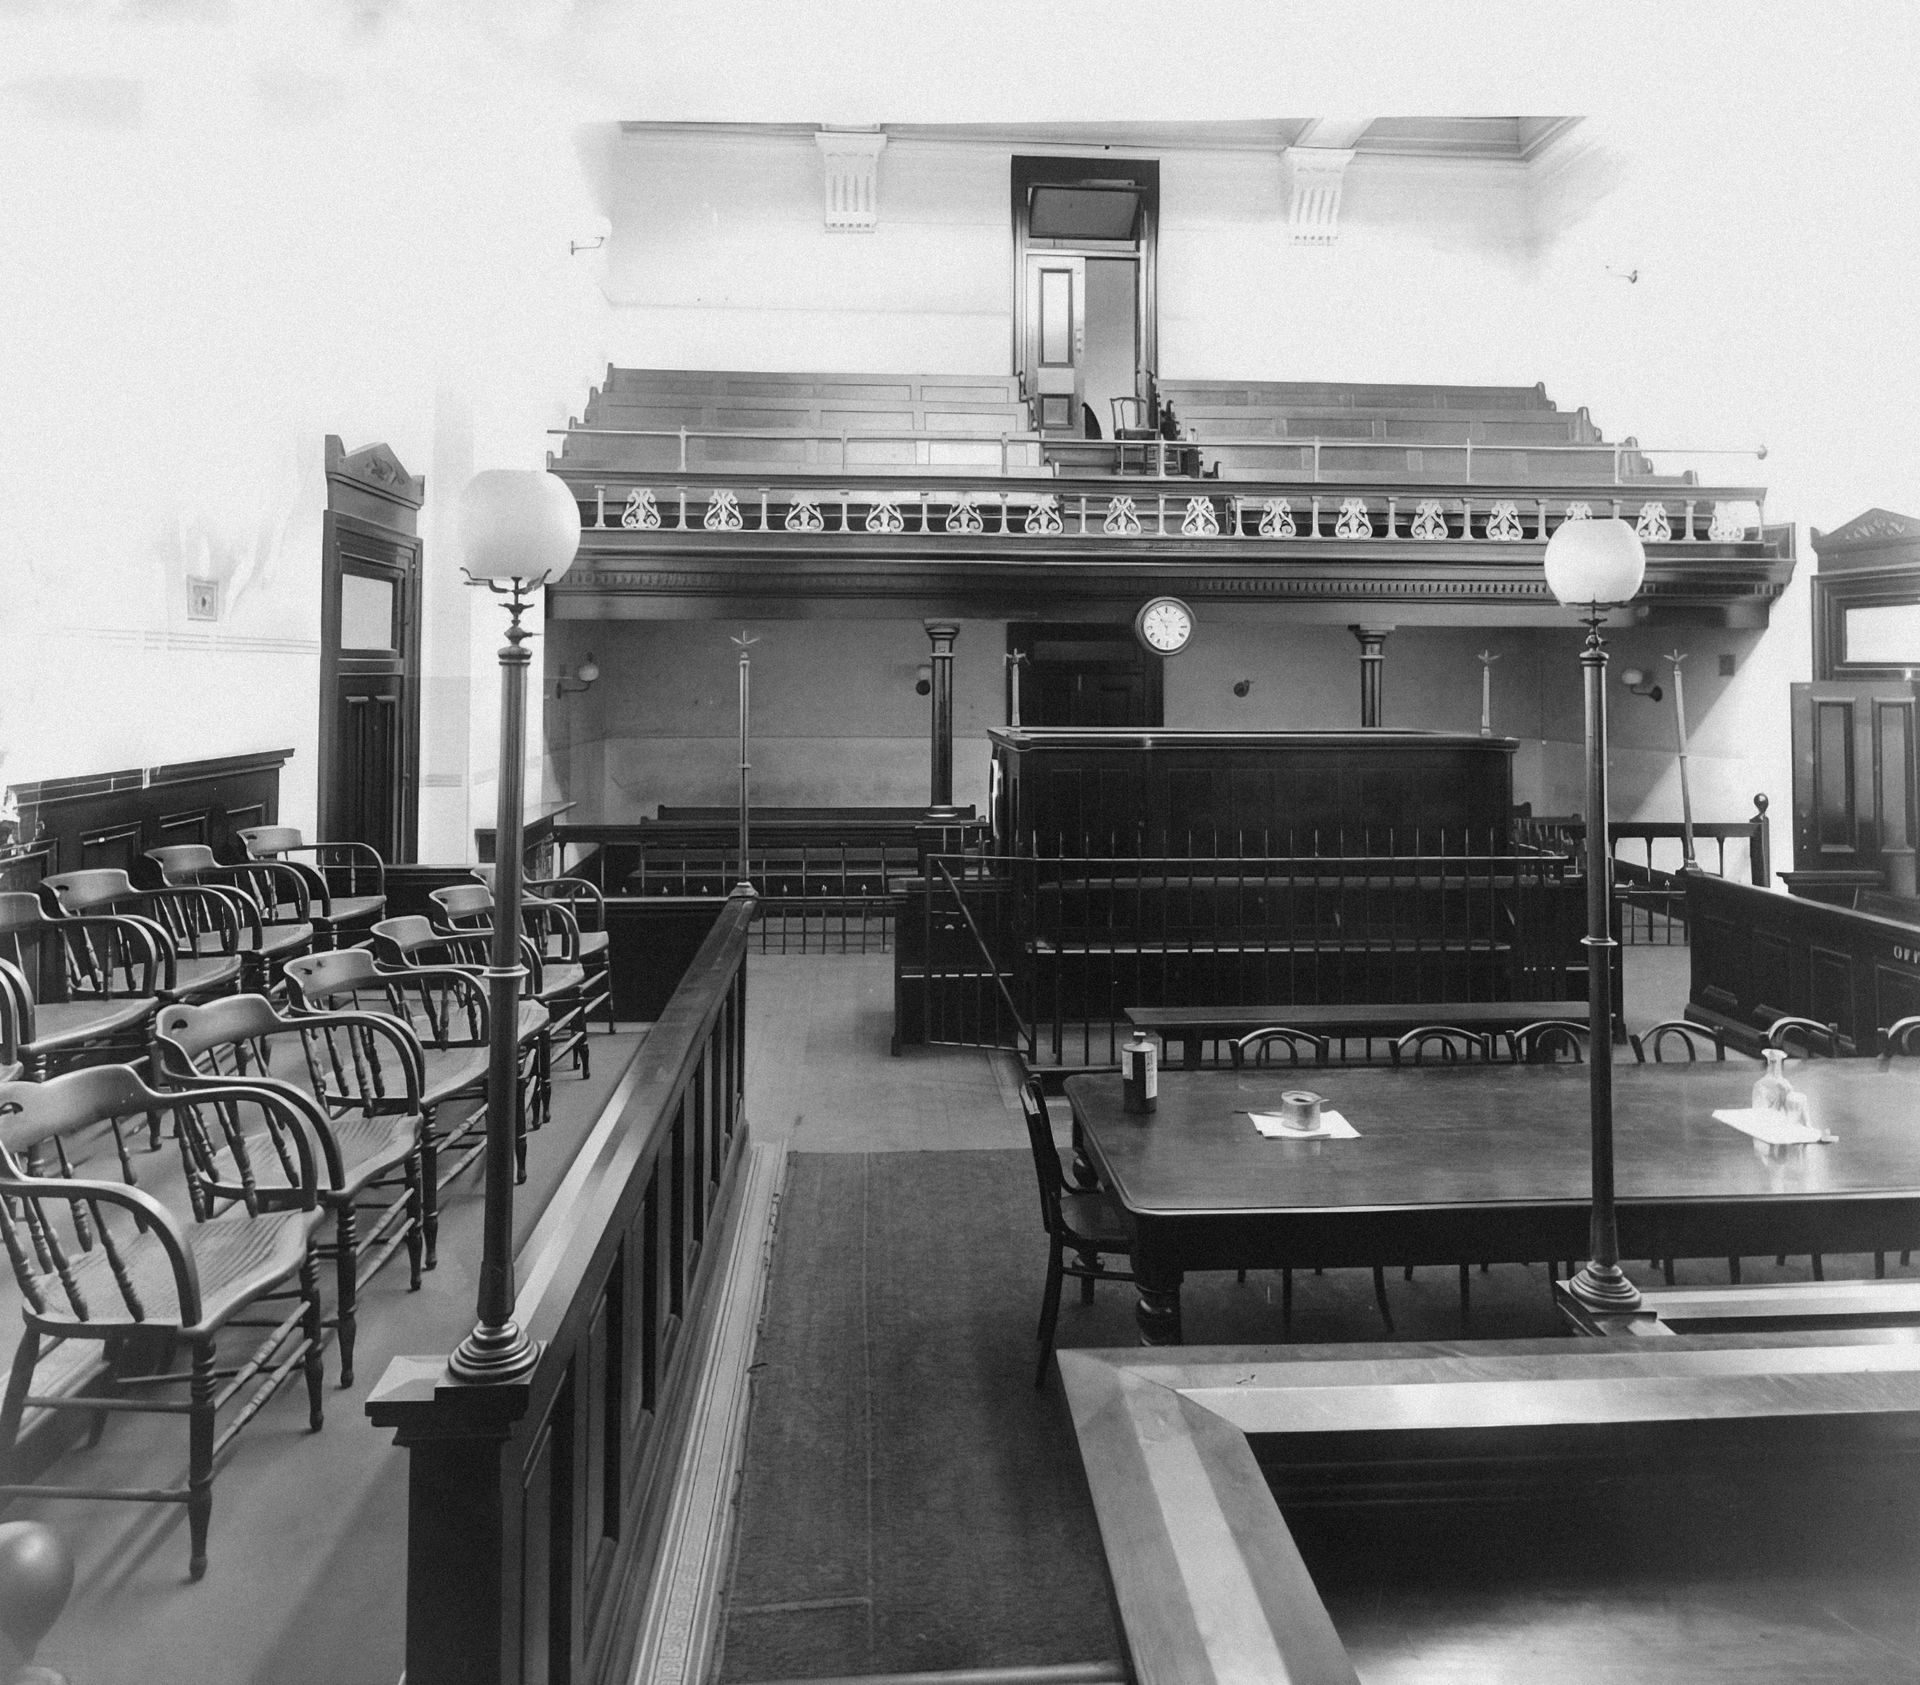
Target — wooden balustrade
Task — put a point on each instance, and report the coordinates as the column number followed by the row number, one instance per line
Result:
column 534, row 1507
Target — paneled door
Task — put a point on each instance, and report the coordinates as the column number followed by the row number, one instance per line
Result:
column 1057, row 340
column 370, row 654
column 1855, row 766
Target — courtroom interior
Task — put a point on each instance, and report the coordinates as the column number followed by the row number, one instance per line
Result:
column 686, row 649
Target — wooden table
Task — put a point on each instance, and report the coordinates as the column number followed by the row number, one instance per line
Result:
column 1490, row 1164
column 1193, row 1025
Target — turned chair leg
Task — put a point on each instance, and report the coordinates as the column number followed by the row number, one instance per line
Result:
column 1049, row 1315
column 202, row 1385
column 416, row 1244
column 312, row 1361
column 1380, row 1296
column 345, row 1266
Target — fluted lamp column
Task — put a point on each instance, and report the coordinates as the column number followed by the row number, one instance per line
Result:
column 519, row 530
column 1591, row 566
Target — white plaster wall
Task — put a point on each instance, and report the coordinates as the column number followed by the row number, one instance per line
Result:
column 836, row 721
column 218, row 252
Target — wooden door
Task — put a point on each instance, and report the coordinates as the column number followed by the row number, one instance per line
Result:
column 370, row 654
column 1087, row 676
column 1856, row 761
column 1057, row 340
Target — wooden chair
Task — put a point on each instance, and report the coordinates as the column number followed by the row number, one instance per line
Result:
column 466, row 915
column 361, row 1074
column 347, row 879
column 289, row 923
column 411, row 950
column 1443, row 1044
column 1258, row 1046
column 589, row 940
column 1807, row 1036
column 212, row 931
column 1549, row 1040
column 1082, row 1221
column 109, row 973
column 99, row 1261
column 447, row 1012
column 1655, row 1038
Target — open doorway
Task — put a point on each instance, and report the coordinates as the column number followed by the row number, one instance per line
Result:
column 1084, row 237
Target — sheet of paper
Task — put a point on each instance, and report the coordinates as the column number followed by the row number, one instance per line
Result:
column 1772, row 1128
column 1333, row 1127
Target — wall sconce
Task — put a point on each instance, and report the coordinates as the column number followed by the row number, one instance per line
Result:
column 603, row 227
column 583, row 678
column 1242, row 687
column 923, row 681
column 1638, row 682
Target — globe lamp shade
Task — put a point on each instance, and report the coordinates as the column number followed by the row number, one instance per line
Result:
column 1594, row 562
column 518, row 523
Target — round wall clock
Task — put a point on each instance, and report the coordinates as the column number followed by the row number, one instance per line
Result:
column 1164, row 625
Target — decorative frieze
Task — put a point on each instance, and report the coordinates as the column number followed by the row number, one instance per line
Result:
column 964, row 516
column 1354, row 521
column 803, row 515
column 1276, row 518
column 1653, row 527
column 641, row 514
column 1200, row 520
column 1122, row 517
column 723, row 513
column 1503, row 522
column 1044, row 516
column 885, row 516
column 1429, row 520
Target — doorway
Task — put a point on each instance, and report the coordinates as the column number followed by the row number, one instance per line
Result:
column 1079, row 676
column 1084, row 244
column 370, row 651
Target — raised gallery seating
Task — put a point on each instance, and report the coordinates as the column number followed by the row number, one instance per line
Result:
column 742, row 422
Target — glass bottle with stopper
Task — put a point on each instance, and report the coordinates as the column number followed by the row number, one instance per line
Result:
column 1772, row 1092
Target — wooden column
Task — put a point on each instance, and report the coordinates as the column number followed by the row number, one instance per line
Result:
column 942, row 633
column 1372, row 661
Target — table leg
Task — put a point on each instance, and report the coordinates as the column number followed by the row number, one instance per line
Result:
column 1158, row 1312
column 1190, row 1053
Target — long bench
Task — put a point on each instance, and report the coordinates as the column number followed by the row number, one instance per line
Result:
column 1353, row 394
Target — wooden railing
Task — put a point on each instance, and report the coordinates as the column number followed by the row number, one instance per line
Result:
column 1649, row 887
column 1045, row 955
column 534, row 1507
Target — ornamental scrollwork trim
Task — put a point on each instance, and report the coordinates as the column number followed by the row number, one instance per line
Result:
column 1200, row 521
column 804, row 516
column 1354, row 521
column 1503, row 522
column 1044, row 516
column 1122, row 517
column 1276, row 519
column 723, row 513
column 1429, row 520
column 1653, row 527
column 641, row 514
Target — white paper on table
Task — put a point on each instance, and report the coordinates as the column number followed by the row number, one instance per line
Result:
column 1333, row 1127
column 1771, row 1128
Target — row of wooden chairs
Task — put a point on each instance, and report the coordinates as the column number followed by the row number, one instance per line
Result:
column 322, row 1095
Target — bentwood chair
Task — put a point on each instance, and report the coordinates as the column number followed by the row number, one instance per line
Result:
column 1657, row 1038
column 447, row 1011
column 1081, row 1221
column 1806, row 1036
column 558, row 984
column 358, row 1075
column 347, row 880
column 291, row 922
column 410, row 949
column 1900, row 1037
column 1259, row 1047
column 1548, row 1041
column 213, row 931
column 588, row 940
column 97, row 1261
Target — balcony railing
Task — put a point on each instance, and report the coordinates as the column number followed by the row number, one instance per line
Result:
column 1156, row 510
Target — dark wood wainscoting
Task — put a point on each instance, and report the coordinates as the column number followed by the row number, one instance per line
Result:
column 1758, row 954
column 110, row 819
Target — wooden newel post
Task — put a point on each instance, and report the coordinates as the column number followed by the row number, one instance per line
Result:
column 1760, row 846
column 36, row 1579
column 1373, row 661
column 942, row 633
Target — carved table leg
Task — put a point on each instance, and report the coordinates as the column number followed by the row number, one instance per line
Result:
column 1158, row 1312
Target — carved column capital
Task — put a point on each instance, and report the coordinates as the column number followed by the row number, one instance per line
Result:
column 850, row 164
column 1314, row 177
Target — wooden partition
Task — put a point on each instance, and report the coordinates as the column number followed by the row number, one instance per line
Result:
column 535, row 1507
column 1758, row 953
column 112, row 818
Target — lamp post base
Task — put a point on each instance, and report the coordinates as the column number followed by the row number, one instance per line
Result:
column 1603, row 1287
column 501, row 1353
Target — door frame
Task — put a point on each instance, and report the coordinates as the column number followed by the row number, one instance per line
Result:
column 1144, row 173
column 373, row 506
column 1023, row 635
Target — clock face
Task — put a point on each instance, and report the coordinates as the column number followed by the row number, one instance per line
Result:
column 1165, row 625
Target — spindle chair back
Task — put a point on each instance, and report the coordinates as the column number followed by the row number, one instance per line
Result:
column 96, row 1260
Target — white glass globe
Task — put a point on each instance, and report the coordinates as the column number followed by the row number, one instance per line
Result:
column 1594, row 562
column 518, row 523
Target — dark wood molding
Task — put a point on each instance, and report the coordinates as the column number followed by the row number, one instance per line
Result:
column 1871, row 562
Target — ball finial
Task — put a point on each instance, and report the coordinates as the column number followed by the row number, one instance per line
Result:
column 36, row 1578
